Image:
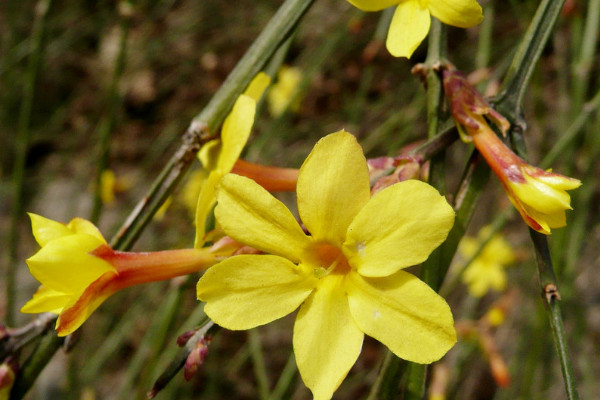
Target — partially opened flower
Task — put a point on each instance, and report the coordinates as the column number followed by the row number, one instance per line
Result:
column 346, row 276
column 78, row 270
column 412, row 19
column 540, row 196
column 220, row 155
column 487, row 270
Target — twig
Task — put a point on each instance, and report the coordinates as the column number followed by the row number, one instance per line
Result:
column 202, row 126
column 551, row 297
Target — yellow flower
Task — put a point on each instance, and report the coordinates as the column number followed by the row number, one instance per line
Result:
column 110, row 184
column 486, row 271
column 412, row 19
column 539, row 196
column 220, row 155
column 282, row 93
column 78, row 270
column 346, row 276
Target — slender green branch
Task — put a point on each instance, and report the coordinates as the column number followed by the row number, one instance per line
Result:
column 32, row 367
column 286, row 378
column 21, row 144
column 572, row 131
column 258, row 362
column 551, row 297
column 275, row 33
column 486, row 32
column 583, row 61
column 516, row 81
column 113, row 102
column 152, row 341
column 199, row 131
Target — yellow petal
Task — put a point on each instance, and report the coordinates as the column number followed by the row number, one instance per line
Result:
column 333, row 186
column 373, row 5
column 246, row 291
column 547, row 221
column 80, row 225
column 542, row 197
column 235, row 132
column 77, row 311
column 191, row 190
column 251, row 215
column 206, row 201
column 65, row 264
column 403, row 313
column 460, row 13
column 410, row 25
column 44, row 229
column 327, row 342
column 209, row 154
column 257, row 87
column 399, row 227
column 46, row 300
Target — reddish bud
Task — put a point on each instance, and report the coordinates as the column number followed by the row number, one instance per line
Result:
column 196, row 358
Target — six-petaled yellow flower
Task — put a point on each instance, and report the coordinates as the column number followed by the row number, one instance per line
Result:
column 78, row 270
column 346, row 275
column 487, row 270
column 412, row 19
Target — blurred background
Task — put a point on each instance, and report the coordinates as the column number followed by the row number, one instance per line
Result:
column 78, row 79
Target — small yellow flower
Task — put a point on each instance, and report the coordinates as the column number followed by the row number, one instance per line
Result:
column 539, row 196
column 412, row 19
column 78, row 270
column 346, row 276
column 110, row 185
column 486, row 271
column 283, row 91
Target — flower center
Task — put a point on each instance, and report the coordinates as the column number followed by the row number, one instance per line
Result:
column 328, row 259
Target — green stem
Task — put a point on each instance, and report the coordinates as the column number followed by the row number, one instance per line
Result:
column 431, row 269
column 286, row 378
column 551, row 298
column 108, row 122
column 151, row 343
column 199, row 131
column 273, row 35
column 572, row 131
column 258, row 362
column 486, row 32
column 30, row 370
column 21, row 144
column 582, row 65
column 386, row 383
column 510, row 100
